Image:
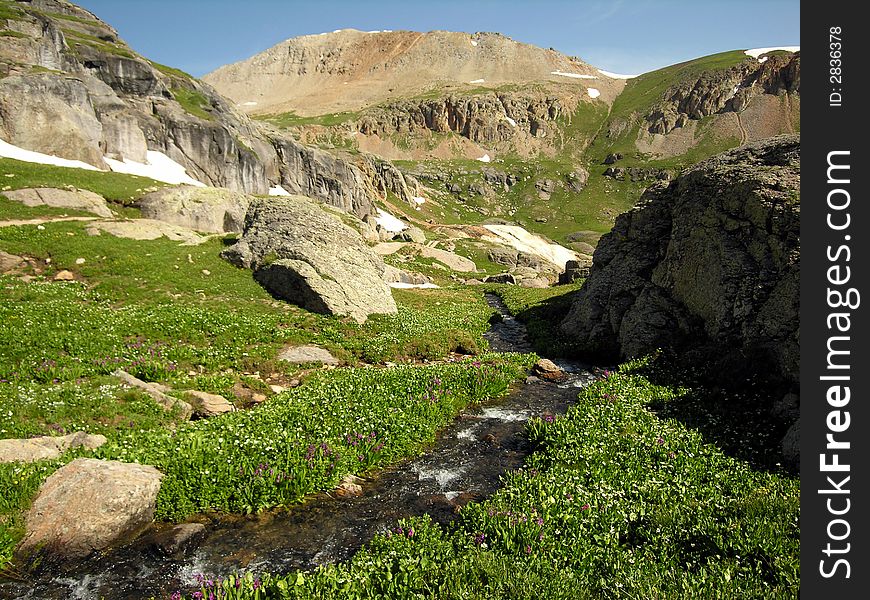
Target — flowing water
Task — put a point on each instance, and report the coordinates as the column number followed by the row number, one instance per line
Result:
column 464, row 464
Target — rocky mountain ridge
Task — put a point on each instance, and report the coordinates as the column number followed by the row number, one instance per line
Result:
column 348, row 70
column 725, row 91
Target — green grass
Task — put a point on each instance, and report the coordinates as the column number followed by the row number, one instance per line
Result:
column 116, row 48
column 115, row 187
column 65, row 17
column 9, row 11
column 616, row 502
column 291, row 119
column 194, row 102
column 160, row 317
column 171, row 71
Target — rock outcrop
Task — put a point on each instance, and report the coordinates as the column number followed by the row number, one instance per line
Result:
column 307, row 171
column 87, row 505
column 46, row 447
column 210, row 210
column 725, row 91
column 304, row 255
column 74, row 89
column 488, row 119
column 707, row 265
column 70, row 87
column 71, row 199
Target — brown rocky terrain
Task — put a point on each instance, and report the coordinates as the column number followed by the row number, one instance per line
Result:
column 348, row 70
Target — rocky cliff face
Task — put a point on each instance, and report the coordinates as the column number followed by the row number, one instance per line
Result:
column 74, row 89
column 489, row 119
column 725, row 91
column 70, row 87
column 707, row 265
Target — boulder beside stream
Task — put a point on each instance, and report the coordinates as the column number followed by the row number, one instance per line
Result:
column 89, row 504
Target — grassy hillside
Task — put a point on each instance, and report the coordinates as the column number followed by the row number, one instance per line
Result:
column 641, row 94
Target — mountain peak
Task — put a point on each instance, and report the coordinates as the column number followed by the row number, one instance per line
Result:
column 348, row 69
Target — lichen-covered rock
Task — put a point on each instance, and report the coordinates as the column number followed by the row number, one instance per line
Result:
column 707, row 265
column 87, row 505
column 304, row 255
column 211, row 210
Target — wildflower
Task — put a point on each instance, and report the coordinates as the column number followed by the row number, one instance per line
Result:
column 660, row 441
column 480, row 539
column 528, row 549
column 585, row 507
column 549, row 418
column 176, row 595
column 196, row 595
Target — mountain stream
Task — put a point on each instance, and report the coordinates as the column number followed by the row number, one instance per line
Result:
column 463, row 465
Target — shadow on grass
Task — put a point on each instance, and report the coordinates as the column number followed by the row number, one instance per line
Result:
column 734, row 415
column 542, row 322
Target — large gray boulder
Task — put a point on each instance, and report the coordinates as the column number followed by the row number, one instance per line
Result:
column 304, row 255
column 210, row 210
column 708, row 265
column 88, row 504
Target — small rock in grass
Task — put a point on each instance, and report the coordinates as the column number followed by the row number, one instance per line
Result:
column 206, row 272
column 349, row 487
column 10, row 262
column 41, row 227
column 80, row 261
column 208, row 405
column 307, row 354
column 258, row 398
column 64, row 276
column 277, row 388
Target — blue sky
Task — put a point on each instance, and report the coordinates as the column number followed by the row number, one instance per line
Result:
column 623, row 36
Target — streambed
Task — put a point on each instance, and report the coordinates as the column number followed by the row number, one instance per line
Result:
column 463, row 465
